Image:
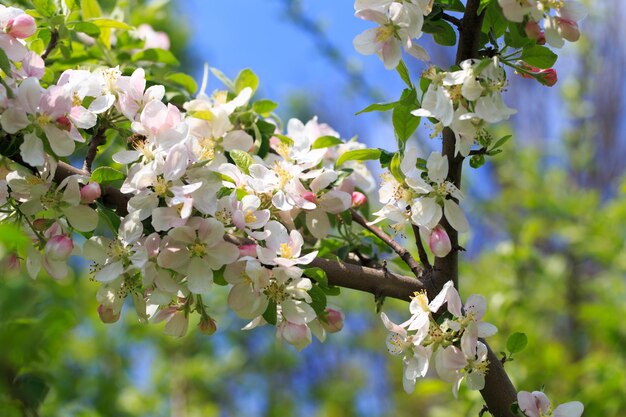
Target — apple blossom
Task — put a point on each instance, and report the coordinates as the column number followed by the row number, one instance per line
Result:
column 537, row 404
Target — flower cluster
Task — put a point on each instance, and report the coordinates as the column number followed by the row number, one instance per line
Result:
column 451, row 341
column 400, row 24
column 216, row 192
column 421, row 196
column 558, row 27
column 466, row 100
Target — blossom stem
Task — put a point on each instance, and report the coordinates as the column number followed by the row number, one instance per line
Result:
column 404, row 254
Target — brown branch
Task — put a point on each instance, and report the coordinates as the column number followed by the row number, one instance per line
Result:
column 499, row 393
column 54, row 39
column 421, row 251
column 452, row 19
column 404, row 254
column 96, row 140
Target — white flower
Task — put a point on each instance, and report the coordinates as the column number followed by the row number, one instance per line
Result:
column 537, row 404
column 283, row 248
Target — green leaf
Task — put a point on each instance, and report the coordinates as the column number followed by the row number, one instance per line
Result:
column 358, row 155
column 86, row 28
column 110, row 23
column 516, row 342
column 501, row 142
column 156, row 55
column 184, row 80
column 242, row 159
column 538, row 56
column 109, row 217
column 404, row 73
column 317, row 274
column 31, row 389
column 318, row 297
column 5, row 64
column 442, row 32
column 12, row 237
column 326, row 142
column 270, row 313
column 284, row 139
column 266, row 130
column 90, row 9
column 105, row 174
column 483, row 5
column 494, row 20
column 246, row 78
column 378, row 107
column 45, row 7
column 218, row 277
column 394, row 167
column 385, row 158
column 264, row 107
column 404, row 123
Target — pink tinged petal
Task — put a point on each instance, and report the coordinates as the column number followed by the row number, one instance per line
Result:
column 571, row 409
column 416, row 51
column 486, row 329
column 31, row 150
column 82, row 218
column 391, row 53
column 527, row 404
column 393, row 327
column 475, row 381
column 173, row 256
column 109, row 272
column 221, row 254
column 455, row 216
column 210, row 231
column 372, row 15
column 408, row 384
column 297, row 312
column 365, row 43
column 305, row 259
column 59, row 140
column 102, row 103
column 199, row 276
column 56, row 269
column 14, row 49
column 29, row 94
column 421, row 324
column 573, row 10
column 164, row 218
column 177, row 325
column 126, row 157
column 237, row 139
column 94, row 249
column 318, row 224
column 298, row 335
column 475, row 305
column 82, row 118
column 14, row 119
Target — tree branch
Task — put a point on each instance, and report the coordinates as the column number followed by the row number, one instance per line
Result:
column 96, row 140
column 404, row 254
column 499, row 392
column 54, row 38
column 452, row 19
column 421, row 251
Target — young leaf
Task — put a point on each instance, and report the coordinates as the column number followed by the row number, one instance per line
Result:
column 242, row 159
column 5, row 64
column 106, row 174
column 325, row 142
column 90, row 9
column 516, row 342
column 264, row 107
column 156, row 55
column 538, row 56
column 270, row 313
column 318, row 297
column 246, row 78
column 404, row 73
column 378, row 107
column 317, row 274
column 110, row 23
column 442, row 32
column 184, row 80
column 358, row 155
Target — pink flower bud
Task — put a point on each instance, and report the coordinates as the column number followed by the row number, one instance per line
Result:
column 439, row 242
column 90, row 193
column 247, row 250
column 107, row 314
column 64, row 123
column 12, row 262
column 334, row 320
column 568, row 29
column 59, row 247
column 547, row 77
column 533, row 31
column 207, row 326
column 21, row 26
column 358, row 199
column 298, row 335
column 309, row 196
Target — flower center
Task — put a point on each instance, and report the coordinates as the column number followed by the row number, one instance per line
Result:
column 285, row 251
column 249, row 216
column 197, row 249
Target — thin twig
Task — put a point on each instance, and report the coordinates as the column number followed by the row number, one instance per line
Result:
column 54, row 38
column 481, row 151
column 404, row 254
column 454, row 20
column 421, row 251
column 96, row 140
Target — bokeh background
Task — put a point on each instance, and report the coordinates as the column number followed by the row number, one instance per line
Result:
column 546, row 249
